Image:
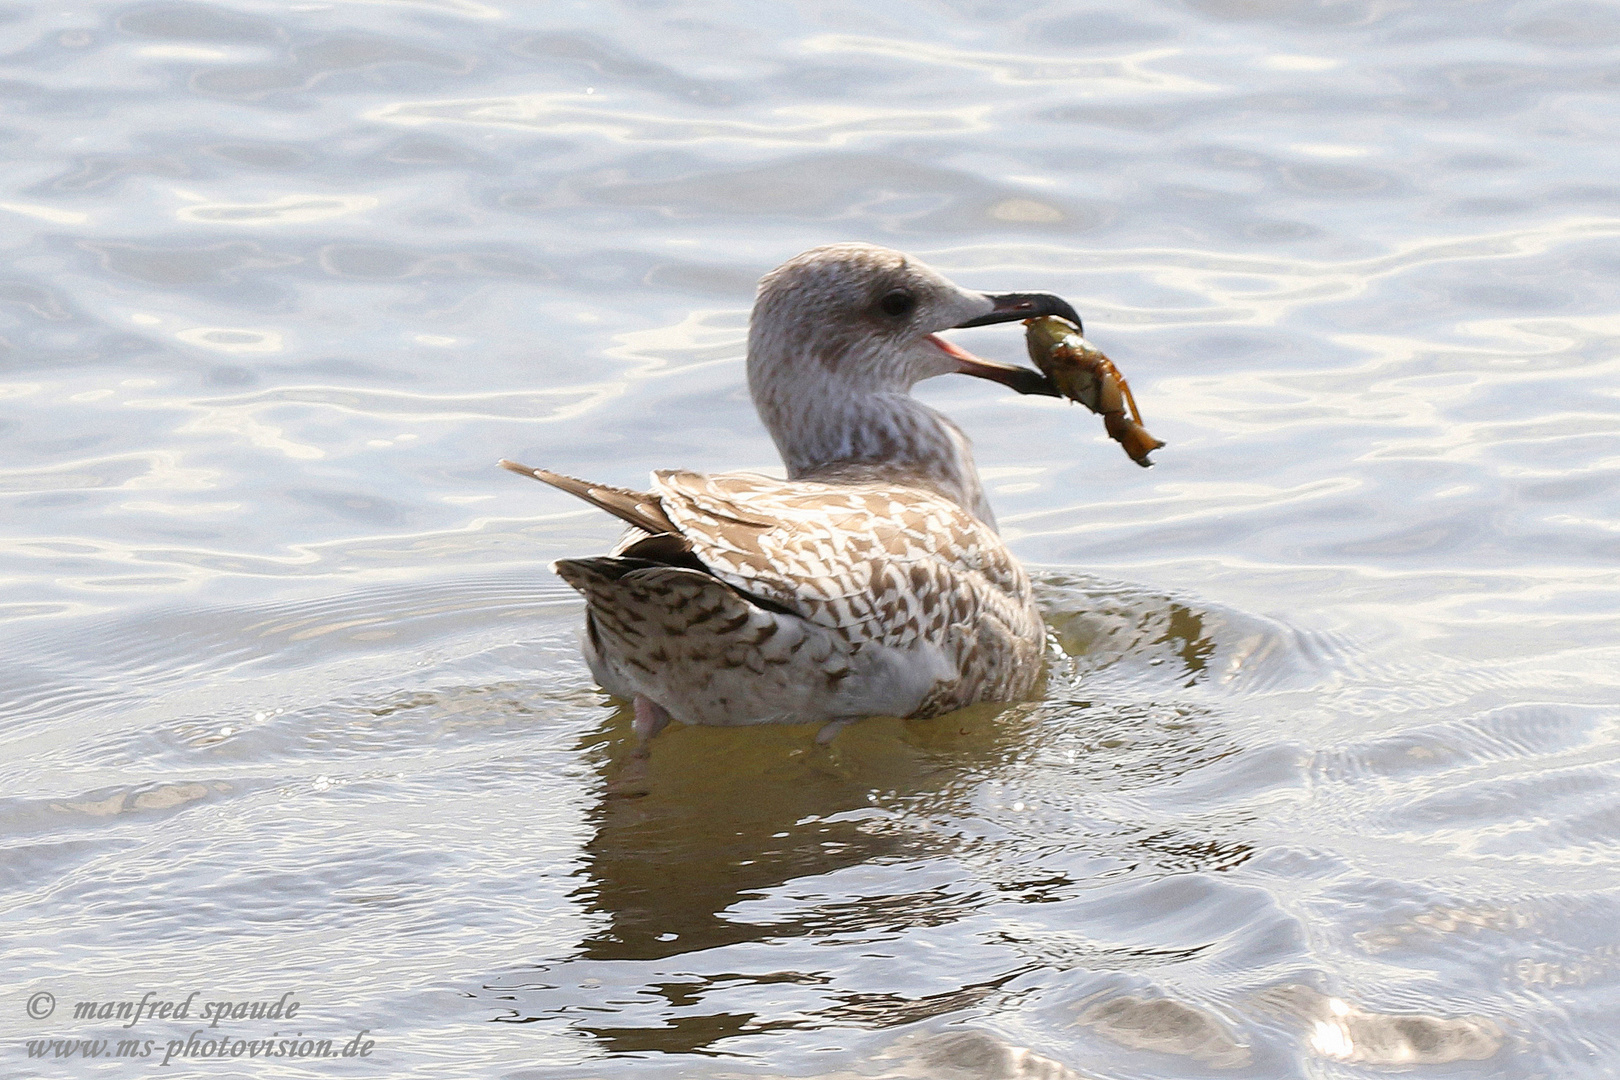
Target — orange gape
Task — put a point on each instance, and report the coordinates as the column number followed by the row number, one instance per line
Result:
column 1083, row 374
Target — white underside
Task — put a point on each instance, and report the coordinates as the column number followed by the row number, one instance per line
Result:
column 787, row 679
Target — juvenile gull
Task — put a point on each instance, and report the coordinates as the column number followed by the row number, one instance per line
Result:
column 871, row 581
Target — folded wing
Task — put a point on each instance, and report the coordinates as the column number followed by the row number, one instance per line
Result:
column 921, row 598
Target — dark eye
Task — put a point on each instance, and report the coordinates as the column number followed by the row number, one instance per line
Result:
column 897, row 303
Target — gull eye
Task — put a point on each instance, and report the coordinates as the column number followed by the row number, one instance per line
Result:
column 897, row 303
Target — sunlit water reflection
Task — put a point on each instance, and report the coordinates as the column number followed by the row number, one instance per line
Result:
column 1322, row 780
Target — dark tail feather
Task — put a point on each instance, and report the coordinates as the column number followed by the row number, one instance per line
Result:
column 638, row 508
column 595, row 576
column 602, row 568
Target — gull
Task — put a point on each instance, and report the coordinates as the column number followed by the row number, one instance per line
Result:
column 871, row 581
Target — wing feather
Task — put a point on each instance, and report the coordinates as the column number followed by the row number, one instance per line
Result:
column 876, row 561
column 636, row 508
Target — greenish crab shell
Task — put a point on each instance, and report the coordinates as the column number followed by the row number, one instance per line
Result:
column 1070, row 361
column 1080, row 372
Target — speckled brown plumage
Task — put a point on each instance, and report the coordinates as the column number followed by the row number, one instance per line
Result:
column 872, row 580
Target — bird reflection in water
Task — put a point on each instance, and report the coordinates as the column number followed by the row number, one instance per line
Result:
column 725, row 814
column 734, row 837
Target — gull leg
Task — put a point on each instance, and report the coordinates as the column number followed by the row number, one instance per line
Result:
column 651, row 718
column 829, row 731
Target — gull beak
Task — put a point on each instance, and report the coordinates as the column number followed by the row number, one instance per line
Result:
column 1013, row 306
column 1010, row 307
column 1022, row 379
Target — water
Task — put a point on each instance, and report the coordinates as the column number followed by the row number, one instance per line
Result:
column 1323, row 782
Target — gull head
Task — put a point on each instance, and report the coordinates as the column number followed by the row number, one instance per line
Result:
column 838, row 338
column 852, row 319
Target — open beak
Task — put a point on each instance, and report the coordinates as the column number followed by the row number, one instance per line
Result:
column 1010, row 307
column 1022, row 379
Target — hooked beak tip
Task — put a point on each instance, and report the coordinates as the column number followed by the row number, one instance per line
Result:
column 1013, row 307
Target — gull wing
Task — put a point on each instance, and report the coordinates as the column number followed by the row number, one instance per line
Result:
column 875, row 561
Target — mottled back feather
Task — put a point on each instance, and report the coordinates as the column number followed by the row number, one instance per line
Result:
column 875, row 561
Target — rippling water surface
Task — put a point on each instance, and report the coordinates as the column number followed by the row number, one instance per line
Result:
column 1323, row 781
